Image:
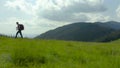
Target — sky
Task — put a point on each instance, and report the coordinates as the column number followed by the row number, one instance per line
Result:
column 39, row 16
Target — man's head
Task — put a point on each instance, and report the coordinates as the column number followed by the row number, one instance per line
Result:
column 17, row 23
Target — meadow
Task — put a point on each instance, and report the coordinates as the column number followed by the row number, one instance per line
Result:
column 36, row 53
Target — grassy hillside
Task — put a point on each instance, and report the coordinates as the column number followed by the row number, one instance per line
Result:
column 28, row 53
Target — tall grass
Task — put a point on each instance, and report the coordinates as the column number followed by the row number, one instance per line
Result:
column 34, row 53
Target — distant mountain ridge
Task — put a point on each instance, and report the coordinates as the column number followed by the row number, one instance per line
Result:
column 3, row 35
column 83, row 31
column 111, row 24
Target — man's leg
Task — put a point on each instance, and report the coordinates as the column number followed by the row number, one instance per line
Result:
column 16, row 34
column 21, row 34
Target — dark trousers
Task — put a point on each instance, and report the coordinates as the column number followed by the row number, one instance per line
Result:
column 19, row 31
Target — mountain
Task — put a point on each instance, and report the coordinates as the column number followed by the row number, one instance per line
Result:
column 111, row 37
column 111, row 24
column 3, row 35
column 82, row 31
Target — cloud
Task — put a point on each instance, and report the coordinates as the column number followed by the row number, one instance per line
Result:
column 65, row 10
column 117, row 15
column 118, row 11
column 91, row 17
column 21, row 5
column 59, row 10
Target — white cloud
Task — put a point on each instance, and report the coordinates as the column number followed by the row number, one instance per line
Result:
column 21, row 5
column 118, row 11
column 117, row 15
column 59, row 10
column 91, row 17
column 64, row 10
column 98, row 17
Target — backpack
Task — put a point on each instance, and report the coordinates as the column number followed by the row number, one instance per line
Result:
column 21, row 26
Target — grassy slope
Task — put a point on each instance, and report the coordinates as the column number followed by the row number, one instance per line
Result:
column 27, row 53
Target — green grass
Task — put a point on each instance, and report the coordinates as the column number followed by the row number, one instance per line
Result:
column 34, row 53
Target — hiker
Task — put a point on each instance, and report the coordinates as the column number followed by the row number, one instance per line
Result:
column 19, row 27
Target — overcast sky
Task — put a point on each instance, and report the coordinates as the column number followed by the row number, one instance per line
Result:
column 39, row 16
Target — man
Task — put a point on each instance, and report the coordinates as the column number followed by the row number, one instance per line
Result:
column 20, row 27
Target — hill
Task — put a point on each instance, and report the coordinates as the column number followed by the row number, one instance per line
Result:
column 2, row 35
column 111, row 24
column 111, row 37
column 34, row 53
column 82, row 32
